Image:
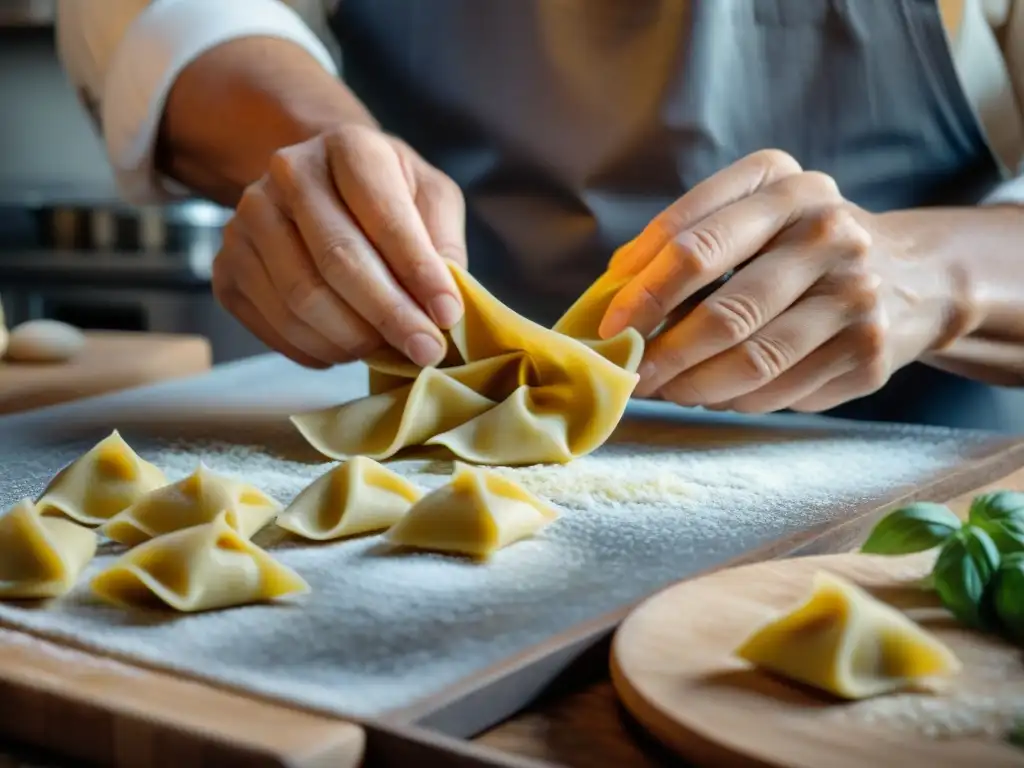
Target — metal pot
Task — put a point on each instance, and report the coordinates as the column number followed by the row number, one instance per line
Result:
column 190, row 229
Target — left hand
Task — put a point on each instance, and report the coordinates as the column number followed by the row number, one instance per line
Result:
column 833, row 299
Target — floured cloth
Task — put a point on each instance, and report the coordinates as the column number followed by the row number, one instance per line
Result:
column 381, row 631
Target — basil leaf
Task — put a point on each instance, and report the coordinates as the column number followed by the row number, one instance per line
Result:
column 1001, row 515
column 963, row 570
column 910, row 529
column 1008, row 596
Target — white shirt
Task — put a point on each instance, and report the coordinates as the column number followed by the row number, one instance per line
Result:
column 124, row 55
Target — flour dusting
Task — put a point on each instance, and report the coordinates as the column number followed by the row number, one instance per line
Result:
column 380, row 631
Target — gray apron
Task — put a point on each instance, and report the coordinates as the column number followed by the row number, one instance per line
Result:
column 569, row 124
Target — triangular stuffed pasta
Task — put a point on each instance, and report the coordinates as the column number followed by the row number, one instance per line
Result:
column 848, row 643
column 476, row 513
column 356, row 497
column 202, row 568
column 194, row 500
column 41, row 557
column 102, row 482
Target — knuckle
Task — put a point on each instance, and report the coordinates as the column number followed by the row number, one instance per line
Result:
column 859, row 292
column 776, row 161
column 819, row 185
column 765, row 357
column 698, row 250
column 869, row 339
column 334, row 258
column 733, row 316
column 831, row 224
column 808, row 187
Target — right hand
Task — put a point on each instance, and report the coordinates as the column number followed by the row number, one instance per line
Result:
column 340, row 248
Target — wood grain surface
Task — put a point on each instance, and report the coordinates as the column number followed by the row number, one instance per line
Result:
column 580, row 723
column 109, row 362
column 577, row 723
column 673, row 668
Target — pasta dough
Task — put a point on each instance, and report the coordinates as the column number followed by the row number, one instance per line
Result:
column 477, row 513
column 201, row 568
column 844, row 641
column 359, row 496
column 508, row 392
column 101, row 483
column 195, row 500
column 40, row 556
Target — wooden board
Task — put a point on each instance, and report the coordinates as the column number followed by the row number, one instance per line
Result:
column 107, row 712
column 673, row 669
column 486, row 699
column 110, row 361
column 253, row 402
column 580, row 723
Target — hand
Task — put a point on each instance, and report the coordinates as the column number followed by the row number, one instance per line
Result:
column 832, row 301
column 340, row 248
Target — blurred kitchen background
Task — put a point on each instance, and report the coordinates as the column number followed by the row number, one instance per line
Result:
column 68, row 249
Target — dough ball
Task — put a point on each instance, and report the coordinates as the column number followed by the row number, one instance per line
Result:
column 44, row 341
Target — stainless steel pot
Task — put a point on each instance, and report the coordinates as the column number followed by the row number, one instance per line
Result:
column 191, row 229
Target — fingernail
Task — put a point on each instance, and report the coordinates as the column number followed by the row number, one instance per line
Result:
column 647, row 370
column 423, row 349
column 445, row 310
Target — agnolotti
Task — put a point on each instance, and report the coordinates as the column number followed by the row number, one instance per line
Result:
column 846, row 642
column 356, row 497
column 194, row 500
column 202, row 568
column 475, row 514
column 102, row 482
column 40, row 557
column 509, row 391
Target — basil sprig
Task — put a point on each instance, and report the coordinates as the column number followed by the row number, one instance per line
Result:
column 1008, row 596
column 910, row 529
column 962, row 573
column 1001, row 516
column 979, row 572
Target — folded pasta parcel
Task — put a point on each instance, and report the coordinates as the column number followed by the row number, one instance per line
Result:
column 202, row 568
column 102, row 482
column 41, row 557
column 198, row 498
column 509, row 392
column 846, row 642
column 476, row 513
column 356, row 497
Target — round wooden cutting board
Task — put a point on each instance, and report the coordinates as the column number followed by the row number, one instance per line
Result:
column 673, row 669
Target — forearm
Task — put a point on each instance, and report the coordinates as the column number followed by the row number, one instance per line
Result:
column 979, row 253
column 238, row 103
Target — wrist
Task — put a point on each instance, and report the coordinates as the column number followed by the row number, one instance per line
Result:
column 237, row 104
column 936, row 267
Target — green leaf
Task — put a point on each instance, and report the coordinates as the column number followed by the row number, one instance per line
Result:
column 1001, row 515
column 963, row 570
column 1008, row 596
column 910, row 529
column 1016, row 734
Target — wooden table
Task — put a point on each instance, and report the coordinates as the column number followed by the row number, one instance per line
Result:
column 111, row 361
column 578, row 724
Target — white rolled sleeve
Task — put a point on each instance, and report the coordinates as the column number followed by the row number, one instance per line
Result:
column 125, row 55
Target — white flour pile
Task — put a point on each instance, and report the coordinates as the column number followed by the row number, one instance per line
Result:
column 381, row 631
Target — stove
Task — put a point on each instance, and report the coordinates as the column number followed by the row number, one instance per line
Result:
column 114, row 267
